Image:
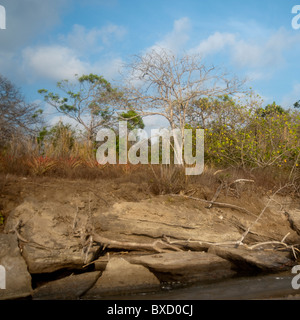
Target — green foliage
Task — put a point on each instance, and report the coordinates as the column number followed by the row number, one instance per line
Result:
column 243, row 136
column 270, row 109
column 134, row 121
column 37, row 113
column 90, row 101
column 59, row 139
column 1, row 219
column 42, row 135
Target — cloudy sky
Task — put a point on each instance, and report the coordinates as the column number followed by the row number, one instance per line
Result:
column 49, row 40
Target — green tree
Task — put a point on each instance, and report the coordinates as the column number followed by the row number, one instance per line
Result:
column 271, row 109
column 242, row 133
column 91, row 102
column 134, row 121
column 58, row 140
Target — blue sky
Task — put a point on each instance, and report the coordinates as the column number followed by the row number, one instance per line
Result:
column 47, row 41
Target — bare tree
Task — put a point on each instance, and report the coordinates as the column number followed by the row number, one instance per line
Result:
column 17, row 118
column 161, row 83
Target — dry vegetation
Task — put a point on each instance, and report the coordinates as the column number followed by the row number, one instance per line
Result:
column 25, row 160
column 243, row 139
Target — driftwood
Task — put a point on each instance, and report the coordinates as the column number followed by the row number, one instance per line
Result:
column 277, row 244
column 157, row 246
column 203, row 245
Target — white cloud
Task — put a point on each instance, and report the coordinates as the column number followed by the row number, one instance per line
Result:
column 257, row 75
column 95, row 39
column 73, row 54
column 174, row 42
column 111, row 32
column 266, row 52
column 59, row 62
column 26, row 19
column 53, row 62
column 214, row 43
column 177, row 38
column 109, row 67
column 65, row 120
column 155, row 122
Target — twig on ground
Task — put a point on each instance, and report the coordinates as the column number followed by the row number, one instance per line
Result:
column 239, row 181
column 75, row 219
column 218, row 204
column 200, row 242
column 215, row 197
column 283, row 239
column 157, row 246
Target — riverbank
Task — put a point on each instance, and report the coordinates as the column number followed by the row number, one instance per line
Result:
column 78, row 239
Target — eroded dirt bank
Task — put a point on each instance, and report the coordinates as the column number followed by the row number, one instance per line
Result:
column 81, row 239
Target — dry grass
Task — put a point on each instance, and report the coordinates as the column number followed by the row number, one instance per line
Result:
column 167, row 179
column 25, row 159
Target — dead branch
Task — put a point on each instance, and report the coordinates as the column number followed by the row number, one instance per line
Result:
column 199, row 245
column 239, row 181
column 90, row 244
column 259, row 216
column 75, row 219
column 188, row 242
column 278, row 243
column 16, row 230
column 283, row 239
column 218, row 204
column 157, row 246
column 215, row 197
column 233, row 186
column 257, row 245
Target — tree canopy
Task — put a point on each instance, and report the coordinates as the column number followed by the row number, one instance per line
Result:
column 161, row 83
column 90, row 101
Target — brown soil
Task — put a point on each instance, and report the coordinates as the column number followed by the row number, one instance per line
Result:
column 107, row 192
column 104, row 193
column 126, row 215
